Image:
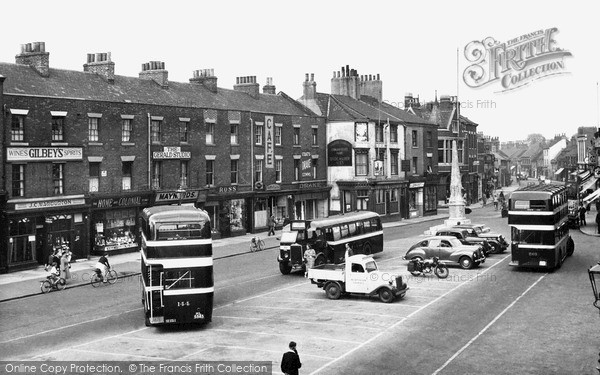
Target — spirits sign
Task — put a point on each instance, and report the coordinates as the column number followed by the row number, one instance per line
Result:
column 339, row 154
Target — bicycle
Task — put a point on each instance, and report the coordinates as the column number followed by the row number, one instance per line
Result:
column 97, row 279
column 53, row 282
column 256, row 244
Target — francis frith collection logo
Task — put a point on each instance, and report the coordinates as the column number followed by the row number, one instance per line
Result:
column 516, row 62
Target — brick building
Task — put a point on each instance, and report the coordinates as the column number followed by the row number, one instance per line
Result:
column 85, row 151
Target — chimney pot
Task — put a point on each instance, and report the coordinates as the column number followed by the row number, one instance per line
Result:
column 306, row 78
column 312, row 76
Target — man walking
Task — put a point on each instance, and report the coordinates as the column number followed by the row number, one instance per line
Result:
column 271, row 225
column 582, row 212
column 290, row 363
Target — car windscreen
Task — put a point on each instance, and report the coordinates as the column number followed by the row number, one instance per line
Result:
column 289, row 237
column 371, row 266
column 455, row 242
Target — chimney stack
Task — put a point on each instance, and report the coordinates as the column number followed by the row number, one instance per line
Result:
column 410, row 101
column 248, row 85
column 205, row 77
column 348, row 84
column 35, row 56
column 269, row 88
column 155, row 70
column 309, row 87
column 101, row 65
column 372, row 86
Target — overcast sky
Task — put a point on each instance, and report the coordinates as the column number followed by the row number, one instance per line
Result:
column 413, row 48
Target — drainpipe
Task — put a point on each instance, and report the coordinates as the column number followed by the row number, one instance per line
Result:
column 149, row 152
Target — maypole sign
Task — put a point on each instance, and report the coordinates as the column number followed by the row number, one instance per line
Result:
column 516, row 62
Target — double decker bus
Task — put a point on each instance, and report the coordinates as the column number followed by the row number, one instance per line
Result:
column 177, row 265
column 361, row 230
column 538, row 217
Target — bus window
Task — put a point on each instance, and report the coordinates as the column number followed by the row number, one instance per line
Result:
column 376, row 223
column 344, row 228
column 329, row 234
column 352, row 229
column 336, row 233
column 359, row 227
column 534, row 237
column 367, row 226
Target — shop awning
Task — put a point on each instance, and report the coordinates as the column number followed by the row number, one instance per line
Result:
column 584, row 175
column 559, row 171
column 589, row 184
column 591, row 197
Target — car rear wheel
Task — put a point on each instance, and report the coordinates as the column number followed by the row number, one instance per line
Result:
column 333, row 290
column 466, row 262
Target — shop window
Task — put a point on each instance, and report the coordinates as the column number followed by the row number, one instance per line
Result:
column 412, row 199
column 94, row 178
column 236, row 215
column 394, row 195
column 17, row 130
column 18, row 180
column 114, row 229
column 21, row 242
column 58, row 128
column 59, row 231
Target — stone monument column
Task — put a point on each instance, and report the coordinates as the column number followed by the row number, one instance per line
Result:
column 456, row 203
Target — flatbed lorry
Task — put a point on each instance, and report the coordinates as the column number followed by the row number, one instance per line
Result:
column 357, row 275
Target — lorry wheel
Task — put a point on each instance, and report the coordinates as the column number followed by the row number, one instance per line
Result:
column 386, row 295
column 333, row 290
column 570, row 247
column 285, row 268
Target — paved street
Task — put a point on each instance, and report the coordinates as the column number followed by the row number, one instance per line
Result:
column 492, row 319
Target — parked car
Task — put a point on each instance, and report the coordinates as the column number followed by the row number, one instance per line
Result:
column 463, row 235
column 496, row 240
column 448, row 249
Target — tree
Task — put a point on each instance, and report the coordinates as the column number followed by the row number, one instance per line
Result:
column 535, row 138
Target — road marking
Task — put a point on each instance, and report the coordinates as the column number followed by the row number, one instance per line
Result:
column 305, row 322
column 246, row 349
column 487, row 326
column 67, row 326
column 317, row 338
column 360, row 313
column 147, row 358
column 398, row 322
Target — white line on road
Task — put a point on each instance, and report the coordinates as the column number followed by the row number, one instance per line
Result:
column 486, row 327
column 317, row 338
column 145, row 357
column 399, row 322
column 305, row 322
column 360, row 313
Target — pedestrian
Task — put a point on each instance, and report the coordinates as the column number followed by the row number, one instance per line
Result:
column 290, row 363
column 271, row 225
column 309, row 257
column 598, row 221
column 495, row 202
column 65, row 264
column 349, row 251
column 582, row 212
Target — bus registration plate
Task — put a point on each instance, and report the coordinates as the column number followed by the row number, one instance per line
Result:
column 533, row 254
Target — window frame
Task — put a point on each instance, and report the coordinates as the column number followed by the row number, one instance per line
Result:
column 20, row 181
column 184, row 130
column 94, row 129
column 58, row 178
column 235, row 171
column 18, row 134
column 126, row 172
column 57, row 128
column 359, row 154
column 210, row 172
column 209, row 129
column 126, row 129
column 155, row 131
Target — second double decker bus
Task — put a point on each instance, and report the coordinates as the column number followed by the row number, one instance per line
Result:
column 177, row 265
column 361, row 230
column 538, row 217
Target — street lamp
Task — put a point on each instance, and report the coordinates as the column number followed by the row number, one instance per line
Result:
column 180, row 192
column 594, row 273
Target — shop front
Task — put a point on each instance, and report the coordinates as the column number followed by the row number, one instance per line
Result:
column 416, row 207
column 389, row 198
column 309, row 200
column 114, row 222
column 227, row 207
column 37, row 227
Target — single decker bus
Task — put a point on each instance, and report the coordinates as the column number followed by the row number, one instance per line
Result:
column 538, row 217
column 361, row 230
column 177, row 265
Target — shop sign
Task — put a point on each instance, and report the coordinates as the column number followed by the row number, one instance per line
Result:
column 339, row 154
column 50, row 203
column 43, row 153
column 171, row 153
column 415, row 185
column 311, row 185
column 269, row 142
column 274, row 187
column 119, row 202
column 227, row 189
column 174, row 196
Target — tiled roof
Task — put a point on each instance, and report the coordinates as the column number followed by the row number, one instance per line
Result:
column 23, row 80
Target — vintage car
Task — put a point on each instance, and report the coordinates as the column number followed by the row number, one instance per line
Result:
column 463, row 236
column 448, row 249
column 496, row 240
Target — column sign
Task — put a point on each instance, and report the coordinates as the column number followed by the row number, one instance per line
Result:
column 269, row 142
column 43, row 153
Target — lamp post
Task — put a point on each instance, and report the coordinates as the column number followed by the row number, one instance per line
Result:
column 594, row 274
column 180, row 193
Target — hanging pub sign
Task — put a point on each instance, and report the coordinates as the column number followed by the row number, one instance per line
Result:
column 339, row 153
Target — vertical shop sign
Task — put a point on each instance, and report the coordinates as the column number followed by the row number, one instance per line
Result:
column 269, row 146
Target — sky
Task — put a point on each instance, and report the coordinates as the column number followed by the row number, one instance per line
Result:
column 417, row 47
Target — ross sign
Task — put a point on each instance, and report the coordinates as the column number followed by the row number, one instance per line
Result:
column 50, row 203
column 269, row 142
column 43, row 153
column 174, row 196
column 171, row 153
column 227, row 189
column 339, row 153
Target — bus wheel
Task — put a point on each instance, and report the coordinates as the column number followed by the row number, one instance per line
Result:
column 570, row 246
column 367, row 248
column 333, row 290
column 285, row 268
column 320, row 259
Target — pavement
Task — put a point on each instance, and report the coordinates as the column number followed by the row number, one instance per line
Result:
column 26, row 283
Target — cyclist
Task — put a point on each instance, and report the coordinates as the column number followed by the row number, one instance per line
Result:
column 103, row 265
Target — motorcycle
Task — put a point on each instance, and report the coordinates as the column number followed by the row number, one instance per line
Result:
column 418, row 266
